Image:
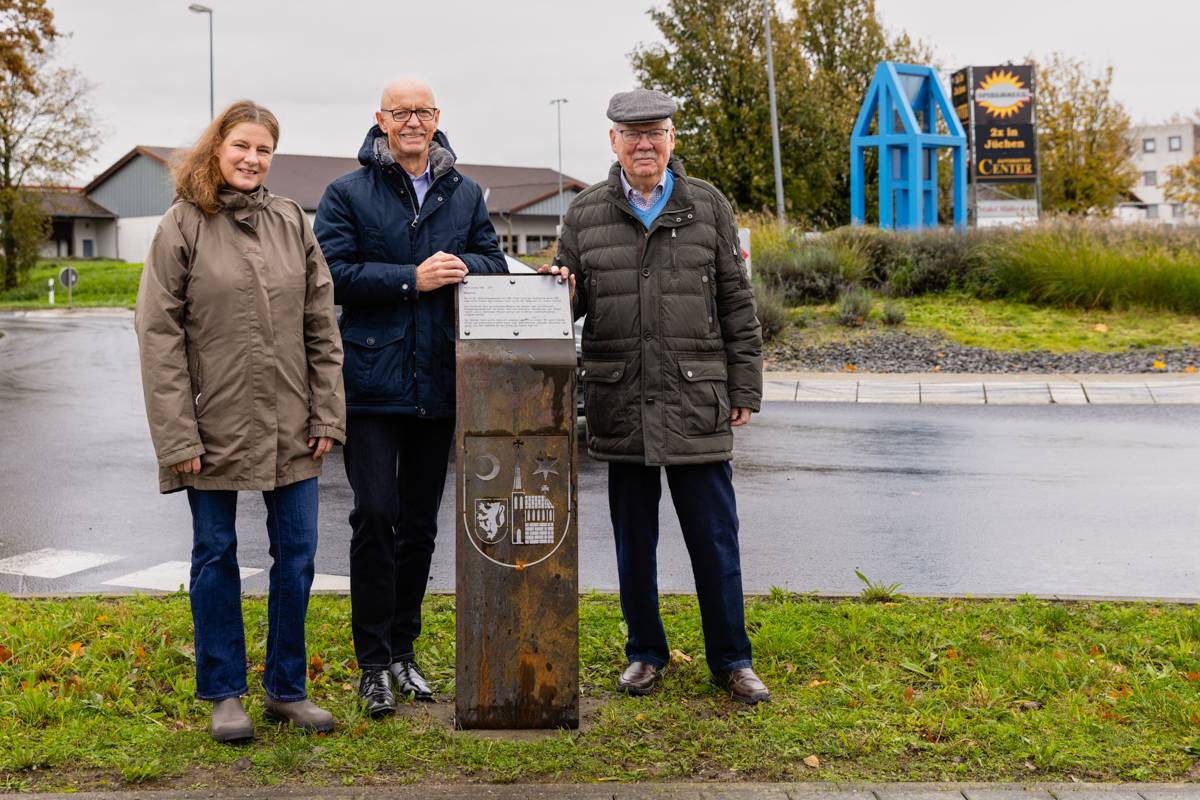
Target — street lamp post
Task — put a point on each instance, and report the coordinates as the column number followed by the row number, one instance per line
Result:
column 202, row 9
column 774, row 113
column 558, row 101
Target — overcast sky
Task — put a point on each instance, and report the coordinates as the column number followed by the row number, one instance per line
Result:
column 495, row 66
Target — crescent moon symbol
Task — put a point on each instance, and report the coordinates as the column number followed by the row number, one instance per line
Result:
column 493, row 466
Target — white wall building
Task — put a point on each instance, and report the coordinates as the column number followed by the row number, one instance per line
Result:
column 1156, row 148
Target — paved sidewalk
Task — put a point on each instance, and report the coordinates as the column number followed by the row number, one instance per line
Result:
column 959, row 389
column 682, row 791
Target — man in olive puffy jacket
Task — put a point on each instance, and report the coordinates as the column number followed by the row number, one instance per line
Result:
column 398, row 234
column 672, row 363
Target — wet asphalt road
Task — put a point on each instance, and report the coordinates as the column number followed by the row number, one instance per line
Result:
column 967, row 499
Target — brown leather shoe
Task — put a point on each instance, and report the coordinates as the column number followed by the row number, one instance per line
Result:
column 743, row 686
column 639, row 678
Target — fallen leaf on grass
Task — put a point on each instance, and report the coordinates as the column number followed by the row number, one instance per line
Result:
column 1189, row 369
column 680, row 657
column 1158, row 365
column 1194, row 677
column 75, row 647
column 1100, row 327
column 1030, row 705
column 5, row 654
column 316, row 667
column 260, row 668
column 139, row 655
column 102, row 618
column 908, row 694
column 814, row 683
column 812, row 761
column 952, row 654
column 851, row 368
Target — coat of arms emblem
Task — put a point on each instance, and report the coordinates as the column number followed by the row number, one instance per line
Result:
column 527, row 525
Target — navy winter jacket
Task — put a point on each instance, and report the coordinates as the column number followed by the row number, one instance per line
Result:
column 399, row 344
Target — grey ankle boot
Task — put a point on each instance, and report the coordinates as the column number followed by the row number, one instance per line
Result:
column 229, row 721
column 301, row 713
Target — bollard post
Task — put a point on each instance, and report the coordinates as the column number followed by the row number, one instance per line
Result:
column 51, row 285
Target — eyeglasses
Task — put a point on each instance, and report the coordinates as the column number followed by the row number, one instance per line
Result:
column 402, row 115
column 656, row 136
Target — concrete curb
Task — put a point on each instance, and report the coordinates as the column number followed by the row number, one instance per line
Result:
column 971, row 389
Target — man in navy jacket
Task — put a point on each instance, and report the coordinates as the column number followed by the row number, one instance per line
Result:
column 398, row 234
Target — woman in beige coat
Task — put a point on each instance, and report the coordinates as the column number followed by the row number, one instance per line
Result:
column 242, row 374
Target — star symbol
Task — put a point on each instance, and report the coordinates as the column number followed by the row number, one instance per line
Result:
column 546, row 466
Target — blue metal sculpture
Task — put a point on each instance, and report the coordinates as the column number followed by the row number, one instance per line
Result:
column 904, row 102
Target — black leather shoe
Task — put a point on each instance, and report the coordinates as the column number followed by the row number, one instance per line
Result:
column 375, row 690
column 409, row 680
column 743, row 686
column 639, row 678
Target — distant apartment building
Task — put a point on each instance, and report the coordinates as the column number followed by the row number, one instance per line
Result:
column 1156, row 148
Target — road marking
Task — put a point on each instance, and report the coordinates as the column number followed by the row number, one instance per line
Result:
column 168, row 576
column 330, row 583
column 51, row 563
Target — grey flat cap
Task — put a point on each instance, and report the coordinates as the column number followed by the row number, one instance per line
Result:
column 640, row 105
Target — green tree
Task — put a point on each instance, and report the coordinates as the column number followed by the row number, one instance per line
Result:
column 1183, row 184
column 844, row 41
column 1083, row 139
column 713, row 60
column 47, row 130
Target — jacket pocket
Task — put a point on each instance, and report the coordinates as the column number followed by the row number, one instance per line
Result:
column 196, row 373
column 704, row 397
column 604, row 399
column 378, row 363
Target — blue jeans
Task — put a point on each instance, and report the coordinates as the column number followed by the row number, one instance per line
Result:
column 216, row 591
column 704, row 500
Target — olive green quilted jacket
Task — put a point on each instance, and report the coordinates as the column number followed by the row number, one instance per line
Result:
column 671, row 341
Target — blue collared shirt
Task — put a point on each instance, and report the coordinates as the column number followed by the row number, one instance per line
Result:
column 421, row 184
column 648, row 207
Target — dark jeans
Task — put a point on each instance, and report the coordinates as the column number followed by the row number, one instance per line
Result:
column 397, row 467
column 216, row 591
column 707, row 509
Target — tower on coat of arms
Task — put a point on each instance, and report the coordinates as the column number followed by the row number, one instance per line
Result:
column 532, row 514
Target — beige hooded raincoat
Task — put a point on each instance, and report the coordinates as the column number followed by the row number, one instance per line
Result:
column 240, row 352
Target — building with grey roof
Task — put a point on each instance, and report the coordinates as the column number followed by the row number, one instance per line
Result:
column 136, row 190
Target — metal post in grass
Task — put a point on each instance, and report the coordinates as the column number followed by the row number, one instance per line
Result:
column 774, row 114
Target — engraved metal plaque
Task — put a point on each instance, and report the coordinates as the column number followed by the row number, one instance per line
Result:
column 514, row 307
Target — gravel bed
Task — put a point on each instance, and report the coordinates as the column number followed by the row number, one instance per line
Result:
column 894, row 351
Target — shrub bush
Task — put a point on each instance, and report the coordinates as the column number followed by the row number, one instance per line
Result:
column 772, row 311
column 855, row 307
column 893, row 314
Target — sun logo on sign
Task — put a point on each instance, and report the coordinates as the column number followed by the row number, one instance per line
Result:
column 1002, row 94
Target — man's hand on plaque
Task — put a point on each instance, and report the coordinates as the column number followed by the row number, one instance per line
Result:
column 440, row 269
column 563, row 273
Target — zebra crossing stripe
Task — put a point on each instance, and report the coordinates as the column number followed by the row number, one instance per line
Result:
column 51, row 563
column 169, row 576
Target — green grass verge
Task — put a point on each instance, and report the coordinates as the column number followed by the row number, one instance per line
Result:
column 101, row 284
column 1010, row 326
column 99, row 692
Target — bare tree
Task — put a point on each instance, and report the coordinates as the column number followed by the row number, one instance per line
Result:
column 47, row 130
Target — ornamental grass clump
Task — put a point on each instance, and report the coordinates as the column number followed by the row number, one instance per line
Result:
column 772, row 311
column 1081, row 264
column 893, row 314
column 855, row 307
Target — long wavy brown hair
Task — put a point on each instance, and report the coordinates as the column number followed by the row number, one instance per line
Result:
column 197, row 173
